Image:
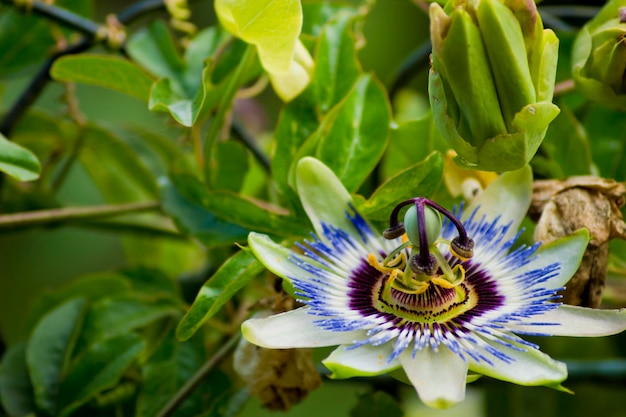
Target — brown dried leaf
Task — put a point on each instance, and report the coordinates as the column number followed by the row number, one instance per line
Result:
column 564, row 206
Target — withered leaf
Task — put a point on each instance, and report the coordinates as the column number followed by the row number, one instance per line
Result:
column 561, row 207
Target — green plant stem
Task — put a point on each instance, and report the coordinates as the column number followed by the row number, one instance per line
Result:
column 218, row 120
column 197, row 378
column 72, row 214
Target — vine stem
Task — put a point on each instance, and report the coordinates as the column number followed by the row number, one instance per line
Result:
column 60, row 15
column 42, row 217
column 197, row 378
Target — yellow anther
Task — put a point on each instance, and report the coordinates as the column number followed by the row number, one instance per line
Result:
column 405, row 238
column 462, row 258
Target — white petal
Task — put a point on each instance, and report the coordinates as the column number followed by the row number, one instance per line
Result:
column 275, row 257
column 438, row 377
column 323, row 196
column 576, row 321
column 294, row 329
column 568, row 251
column 366, row 360
column 508, row 197
column 530, row 367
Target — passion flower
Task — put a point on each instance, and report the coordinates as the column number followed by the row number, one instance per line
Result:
column 440, row 310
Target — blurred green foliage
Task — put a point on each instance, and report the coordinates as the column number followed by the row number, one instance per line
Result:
column 97, row 311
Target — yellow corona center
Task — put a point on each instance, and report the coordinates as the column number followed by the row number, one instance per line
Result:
column 427, row 299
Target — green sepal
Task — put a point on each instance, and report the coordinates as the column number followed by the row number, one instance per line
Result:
column 505, row 152
column 463, row 63
column 543, row 63
column 504, row 43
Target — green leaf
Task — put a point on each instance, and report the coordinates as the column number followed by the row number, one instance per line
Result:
column 336, row 66
column 115, row 168
column 99, row 368
column 376, row 405
column 184, row 110
column 114, row 316
column 17, row 161
column 163, row 98
column 607, row 137
column 22, row 48
column 16, row 390
column 316, row 15
column 421, row 179
column 90, row 287
column 565, row 150
column 336, row 70
column 244, row 212
column 182, row 199
column 106, row 71
column 232, row 276
column 202, row 46
column 157, row 150
column 409, row 142
column 232, row 165
column 151, row 284
column 49, row 349
column 155, row 50
column 249, row 21
column 352, row 137
column 168, row 369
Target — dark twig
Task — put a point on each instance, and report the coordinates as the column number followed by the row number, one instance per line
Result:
column 553, row 22
column 139, row 9
column 62, row 16
column 36, row 86
column 569, row 12
column 248, row 141
column 416, row 61
column 197, row 378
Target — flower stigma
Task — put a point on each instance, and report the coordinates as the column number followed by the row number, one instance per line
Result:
column 417, row 265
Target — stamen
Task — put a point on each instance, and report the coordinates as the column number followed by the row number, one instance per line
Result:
column 463, row 239
column 463, row 251
column 393, row 232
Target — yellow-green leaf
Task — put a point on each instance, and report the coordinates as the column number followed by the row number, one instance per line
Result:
column 272, row 26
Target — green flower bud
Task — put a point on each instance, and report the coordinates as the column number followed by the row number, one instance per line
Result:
column 491, row 80
column 432, row 224
column 599, row 57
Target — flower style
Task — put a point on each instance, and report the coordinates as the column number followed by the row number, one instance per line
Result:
column 444, row 302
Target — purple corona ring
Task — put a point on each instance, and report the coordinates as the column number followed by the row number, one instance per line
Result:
column 437, row 303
